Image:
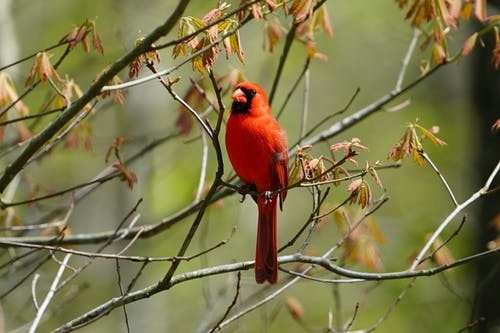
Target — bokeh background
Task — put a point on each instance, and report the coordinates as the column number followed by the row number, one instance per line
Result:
column 369, row 43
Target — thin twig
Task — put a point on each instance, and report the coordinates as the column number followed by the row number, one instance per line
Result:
column 164, row 72
column 294, row 87
column 35, row 53
column 316, row 195
column 453, row 235
column 333, row 130
column 100, row 180
column 120, row 287
column 321, row 280
column 176, row 97
column 31, row 116
column 440, row 175
column 393, row 306
column 284, row 54
column 203, row 169
column 36, row 83
column 290, row 37
column 50, row 295
column 353, row 317
column 406, row 60
column 330, row 116
column 33, row 291
column 305, row 105
column 90, row 254
column 208, row 26
column 312, row 217
column 38, row 141
column 166, row 281
column 482, row 191
column 54, row 224
column 231, row 306
column 136, row 277
column 110, row 240
column 355, row 118
column 84, row 189
column 258, row 304
column 108, row 306
column 61, row 135
column 25, row 277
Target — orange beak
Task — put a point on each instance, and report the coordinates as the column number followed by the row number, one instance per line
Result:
column 239, row 96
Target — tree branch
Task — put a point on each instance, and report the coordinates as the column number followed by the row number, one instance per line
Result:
column 94, row 90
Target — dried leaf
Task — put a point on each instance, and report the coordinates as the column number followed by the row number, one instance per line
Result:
column 418, row 158
column 430, row 134
column 419, row 11
column 438, row 53
column 454, row 9
column 126, row 175
column 365, row 194
column 373, row 172
column 466, row 10
column 96, row 39
column 362, row 247
column 301, row 9
column 312, row 52
column 496, row 54
column 493, row 19
column 407, row 145
column 271, row 5
column 42, row 69
column 480, row 10
column 496, row 126
column 272, row 34
column 348, row 145
column 469, row 44
column 205, row 39
column 8, row 95
column 448, row 19
column 322, row 18
column 256, row 10
column 354, row 188
column 295, row 308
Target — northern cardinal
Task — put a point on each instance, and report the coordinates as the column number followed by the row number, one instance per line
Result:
column 257, row 149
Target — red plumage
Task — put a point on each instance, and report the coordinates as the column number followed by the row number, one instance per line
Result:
column 257, row 149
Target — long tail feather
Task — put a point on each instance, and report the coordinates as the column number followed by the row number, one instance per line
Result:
column 266, row 256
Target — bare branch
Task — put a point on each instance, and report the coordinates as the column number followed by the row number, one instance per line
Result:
column 392, row 307
column 50, row 295
column 355, row 118
column 406, row 60
column 229, row 308
column 94, row 90
column 440, row 175
column 305, row 104
column 452, row 215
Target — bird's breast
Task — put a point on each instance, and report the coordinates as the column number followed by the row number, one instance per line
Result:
column 252, row 144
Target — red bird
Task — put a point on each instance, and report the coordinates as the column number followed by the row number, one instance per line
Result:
column 257, row 149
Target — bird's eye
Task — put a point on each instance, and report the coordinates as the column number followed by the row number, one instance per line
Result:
column 249, row 93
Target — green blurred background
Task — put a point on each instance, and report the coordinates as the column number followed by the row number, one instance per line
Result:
column 369, row 43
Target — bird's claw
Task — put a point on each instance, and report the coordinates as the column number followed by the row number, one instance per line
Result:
column 267, row 195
